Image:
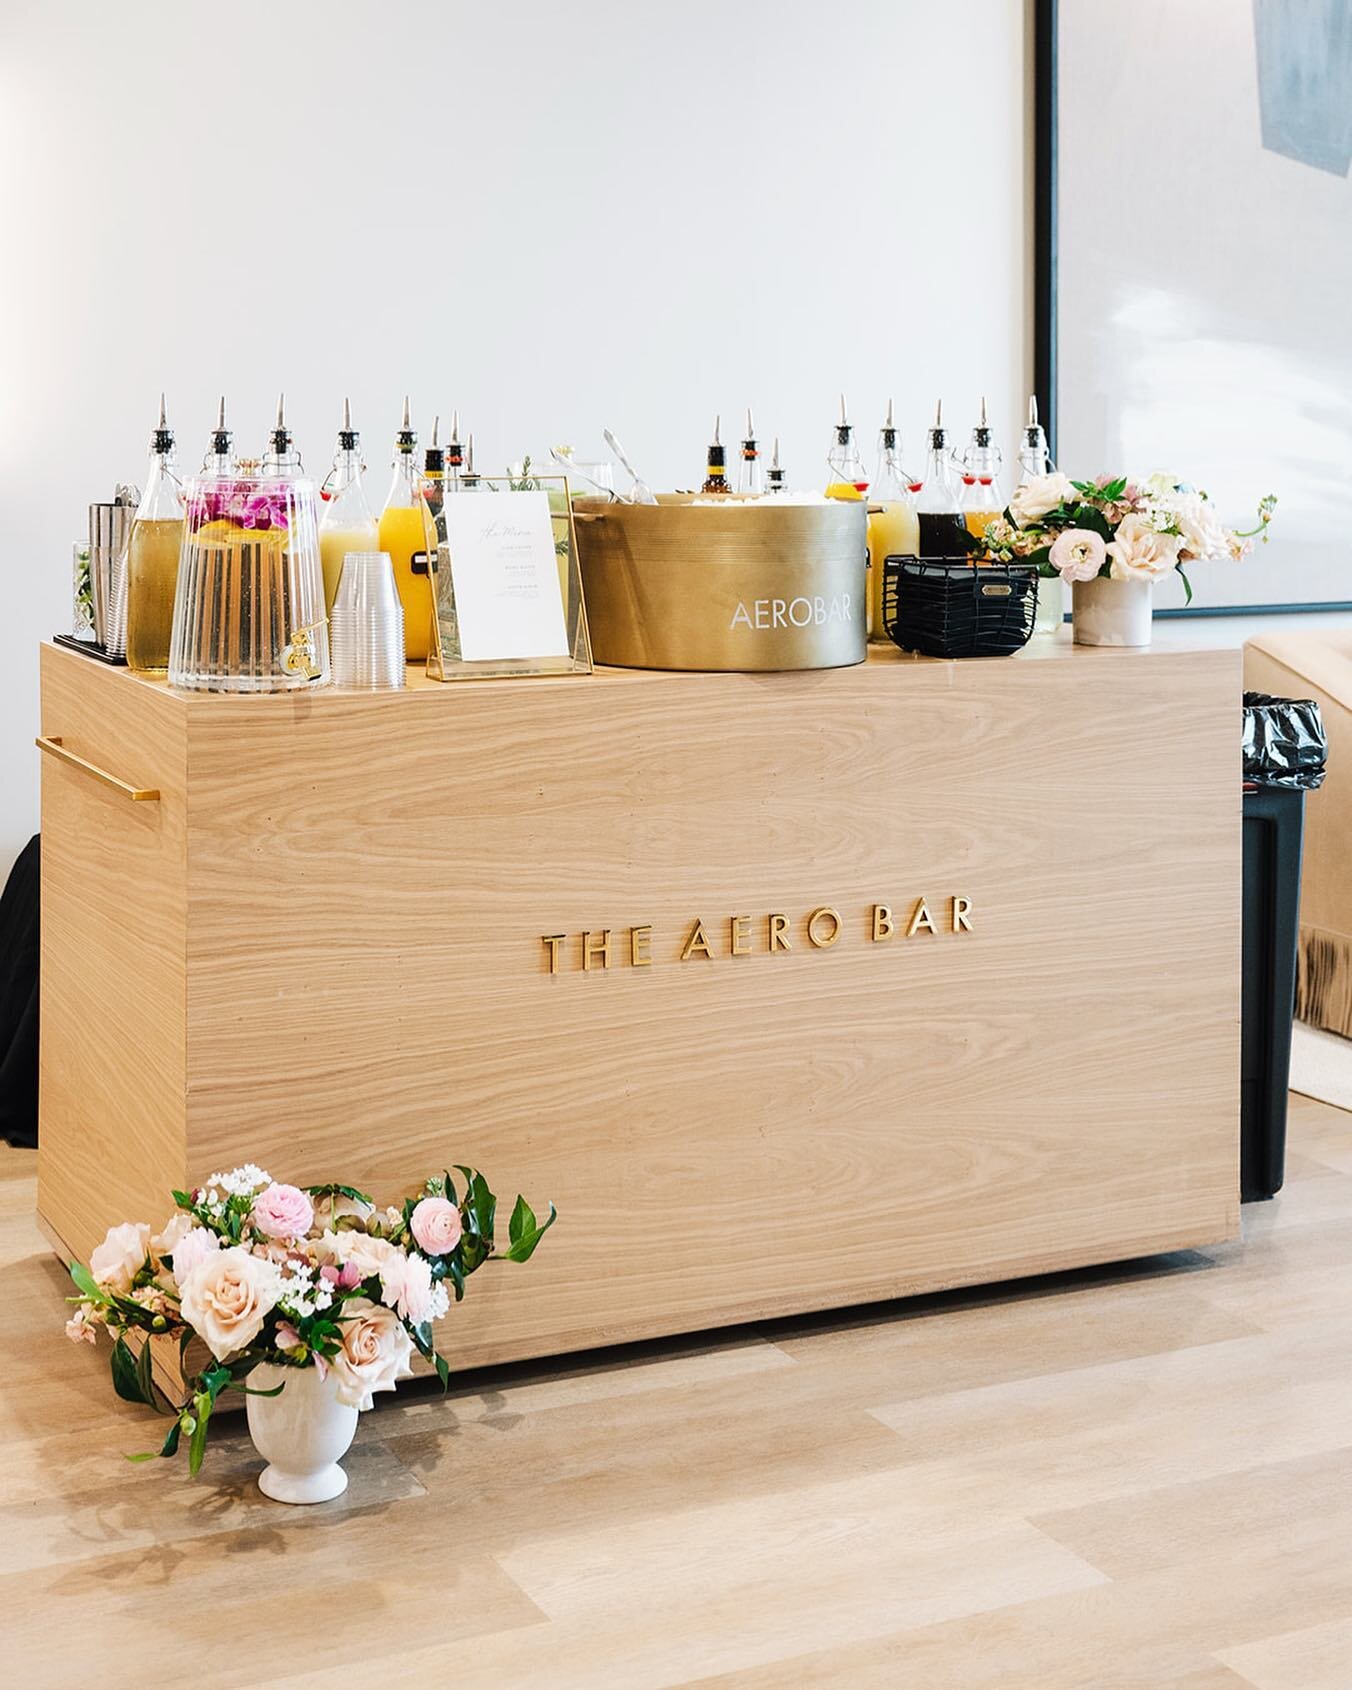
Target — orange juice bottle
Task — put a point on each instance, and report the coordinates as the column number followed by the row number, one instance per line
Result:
column 403, row 533
column 982, row 500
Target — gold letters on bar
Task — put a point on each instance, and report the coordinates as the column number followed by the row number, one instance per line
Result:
column 747, row 935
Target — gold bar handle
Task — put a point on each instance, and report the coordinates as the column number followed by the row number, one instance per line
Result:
column 52, row 745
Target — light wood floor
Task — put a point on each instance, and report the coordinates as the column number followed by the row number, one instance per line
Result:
column 1133, row 1477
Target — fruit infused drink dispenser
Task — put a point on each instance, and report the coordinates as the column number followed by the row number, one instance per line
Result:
column 249, row 613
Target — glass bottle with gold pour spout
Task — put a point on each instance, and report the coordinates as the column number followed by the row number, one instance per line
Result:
column 982, row 500
column 152, row 557
column 846, row 478
column 748, row 465
column 716, row 472
column 893, row 525
column 346, row 523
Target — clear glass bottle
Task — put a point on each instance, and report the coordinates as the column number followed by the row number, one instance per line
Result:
column 1035, row 460
column 749, row 464
column 893, row 523
column 346, row 523
column 152, row 557
column 847, row 477
column 403, row 534
column 281, row 457
column 716, row 460
column 937, row 502
column 982, row 499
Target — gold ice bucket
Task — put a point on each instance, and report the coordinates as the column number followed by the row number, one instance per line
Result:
column 682, row 586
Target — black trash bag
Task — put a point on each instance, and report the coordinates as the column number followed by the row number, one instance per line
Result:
column 1284, row 742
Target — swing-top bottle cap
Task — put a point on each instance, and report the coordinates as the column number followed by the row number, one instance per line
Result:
column 749, row 448
column 348, row 438
column 406, row 439
column 1032, row 434
column 716, row 452
column 981, row 434
column 938, row 435
column 889, row 431
column 162, row 436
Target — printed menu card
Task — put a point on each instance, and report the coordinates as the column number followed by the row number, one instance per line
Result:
column 505, row 575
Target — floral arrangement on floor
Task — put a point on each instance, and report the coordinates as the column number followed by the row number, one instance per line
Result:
column 265, row 1272
column 1116, row 527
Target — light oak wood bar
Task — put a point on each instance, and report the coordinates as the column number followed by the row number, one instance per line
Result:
column 322, row 949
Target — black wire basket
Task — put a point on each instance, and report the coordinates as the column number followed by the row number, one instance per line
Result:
column 953, row 607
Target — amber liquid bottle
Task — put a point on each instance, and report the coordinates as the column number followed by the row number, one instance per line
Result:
column 152, row 558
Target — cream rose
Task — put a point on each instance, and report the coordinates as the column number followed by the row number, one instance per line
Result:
column 368, row 1254
column 169, row 1237
column 1040, row 494
column 227, row 1297
column 375, row 1353
column 1139, row 549
column 117, row 1261
column 1202, row 533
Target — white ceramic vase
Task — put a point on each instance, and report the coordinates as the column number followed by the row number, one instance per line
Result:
column 302, row 1434
column 1108, row 612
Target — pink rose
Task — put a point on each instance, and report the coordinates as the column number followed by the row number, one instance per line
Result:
column 375, row 1353
column 406, row 1286
column 435, row 1224
column 282, row 1211
column 1078, row 554
column 117, row 1261
column 193, row 1248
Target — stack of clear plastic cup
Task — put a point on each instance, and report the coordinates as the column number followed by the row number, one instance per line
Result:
column 366, row 624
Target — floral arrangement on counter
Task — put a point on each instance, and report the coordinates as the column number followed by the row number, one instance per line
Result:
column 1116, row 527
column 263, row 1272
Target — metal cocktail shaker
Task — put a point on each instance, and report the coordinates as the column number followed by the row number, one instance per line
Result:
column 109, row 535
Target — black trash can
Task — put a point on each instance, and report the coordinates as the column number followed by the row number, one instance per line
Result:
column 1284, row 754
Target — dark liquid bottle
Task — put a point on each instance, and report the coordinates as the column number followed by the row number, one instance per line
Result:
column 943, row 527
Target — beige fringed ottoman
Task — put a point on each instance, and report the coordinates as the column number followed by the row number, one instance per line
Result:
column 1319, row 666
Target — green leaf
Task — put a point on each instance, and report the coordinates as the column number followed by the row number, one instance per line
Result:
column 127, row 1374
column 523, row 1248
column 197, row 1444
column 1187, row 587
column 86, row 1284
column 422, row 1337
column 143, row 1455
column 522, row 1221
column 254, row 1391
column 335, row 1190
column 485, row 1206
column 443, row 1371
column 170, row 1444
column 146, row 1380
column 455, row 1272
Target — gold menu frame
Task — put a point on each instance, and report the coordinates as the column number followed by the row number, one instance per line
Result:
column 443, row 663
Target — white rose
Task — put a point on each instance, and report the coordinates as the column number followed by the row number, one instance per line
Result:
column 1138, row 549
column 167, row 1240
column 1041, row 494
column 227, row 1297
column 117, row 1261
column 1202, row 533
column 375, row 1353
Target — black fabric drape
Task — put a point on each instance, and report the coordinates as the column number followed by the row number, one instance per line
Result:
column 19, row 909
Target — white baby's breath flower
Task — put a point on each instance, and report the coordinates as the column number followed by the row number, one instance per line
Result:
column 440, row 1301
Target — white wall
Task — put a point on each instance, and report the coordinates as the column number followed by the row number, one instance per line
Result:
column 554, row 216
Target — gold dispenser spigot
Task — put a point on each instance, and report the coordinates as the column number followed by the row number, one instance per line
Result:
column 300, row 657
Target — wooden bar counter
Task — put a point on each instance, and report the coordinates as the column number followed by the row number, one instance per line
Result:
column 364, row 936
